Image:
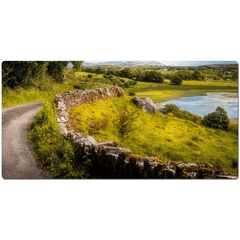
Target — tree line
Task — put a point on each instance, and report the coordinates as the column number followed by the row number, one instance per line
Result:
column 131, row 73
column 27, row 73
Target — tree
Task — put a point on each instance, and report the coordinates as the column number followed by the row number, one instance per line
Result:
column 218, row 119
column 176, row 80
column 15, row 73
column 152, row 76
column 124, row 123
column 198, row 75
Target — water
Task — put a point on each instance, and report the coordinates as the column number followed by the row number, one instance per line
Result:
column 202, row 105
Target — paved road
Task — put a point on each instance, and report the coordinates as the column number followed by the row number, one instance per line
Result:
column 18, row 161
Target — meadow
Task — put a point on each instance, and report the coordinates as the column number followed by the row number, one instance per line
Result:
column 169, row 138
column 80, row 80
column 164, row 92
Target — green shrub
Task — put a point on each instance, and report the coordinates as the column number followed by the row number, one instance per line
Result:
column 218, row 119
column 124, row 122
column 176, row 80
column 90, row 75
column 132, row 94
column 125, row 84
column 54, row 150
column 169, row 108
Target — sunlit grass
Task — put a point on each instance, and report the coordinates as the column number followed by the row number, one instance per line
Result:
column 21, row 95
column 161, row 92
column 159, row 135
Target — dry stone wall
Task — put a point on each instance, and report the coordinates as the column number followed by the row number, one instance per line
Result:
column 110, row 160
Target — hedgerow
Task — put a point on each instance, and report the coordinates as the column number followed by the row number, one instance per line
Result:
column 56, row 151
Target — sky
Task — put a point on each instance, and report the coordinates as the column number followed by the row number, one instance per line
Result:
column 183, row 63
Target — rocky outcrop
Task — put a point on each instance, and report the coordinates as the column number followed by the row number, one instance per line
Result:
column 111, row 161
column 146, row 104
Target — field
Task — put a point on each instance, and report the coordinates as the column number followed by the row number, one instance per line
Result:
column 164, row 92
column 80, row 80
column 159, row 135
column 12, row 97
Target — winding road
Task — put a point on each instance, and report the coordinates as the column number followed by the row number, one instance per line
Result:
column 18, row 160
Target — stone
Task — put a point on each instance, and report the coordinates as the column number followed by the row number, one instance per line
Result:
column 87, row 141
column 115, row 151
column 146, row 104
column 168, row 173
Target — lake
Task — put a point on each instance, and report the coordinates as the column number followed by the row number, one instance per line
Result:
column 202, row 105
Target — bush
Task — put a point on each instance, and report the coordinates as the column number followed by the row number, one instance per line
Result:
column 124, row 123
column 153, row 76
column 90, row 75
column 218, row 119
column 56, row 151
column 125, row 85
column 132, row 94
column 169, row 108
column 176, row 80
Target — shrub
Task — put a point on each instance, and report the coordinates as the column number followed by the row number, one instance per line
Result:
column 132, row 94
column 89, row 75
column 124, row 123
column 176, row 80
column 56, row 151
column 218, row 119
column 125, row 84
column 169, row 108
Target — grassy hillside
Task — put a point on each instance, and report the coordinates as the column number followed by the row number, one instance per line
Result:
column 159, row 135
column 80, row 80
column 12, row 97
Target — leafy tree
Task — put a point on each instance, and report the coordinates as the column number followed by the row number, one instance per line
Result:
column 16, row 73
column 218, row 119
column 198, row 75
column 176, row 80
column 153, row 76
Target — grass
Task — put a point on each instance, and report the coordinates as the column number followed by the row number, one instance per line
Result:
column 26, row 95
column 159, row 135
column 164, row 92
column 55, row 151
column 20, row 96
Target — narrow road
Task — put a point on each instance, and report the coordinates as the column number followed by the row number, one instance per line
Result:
column 18, row 161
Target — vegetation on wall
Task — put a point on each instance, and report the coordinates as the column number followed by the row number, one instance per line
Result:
column 56, row 152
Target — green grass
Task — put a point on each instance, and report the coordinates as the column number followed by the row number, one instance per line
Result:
column 159, row 135
column 20, row 96
column 55, row 151
column 164, row 92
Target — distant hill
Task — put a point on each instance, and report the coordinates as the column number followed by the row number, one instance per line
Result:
column 156, row 63
column 124, row 63
column 197, row 63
